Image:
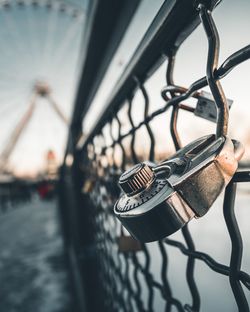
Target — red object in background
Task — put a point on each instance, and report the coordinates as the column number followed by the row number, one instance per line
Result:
column 45, row 190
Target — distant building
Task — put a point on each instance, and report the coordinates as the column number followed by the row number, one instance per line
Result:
column 51, row 170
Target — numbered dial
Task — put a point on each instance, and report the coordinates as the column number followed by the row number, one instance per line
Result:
column 136, row 179
column 151, row 193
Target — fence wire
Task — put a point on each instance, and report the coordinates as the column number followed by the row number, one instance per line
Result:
column 127, row 280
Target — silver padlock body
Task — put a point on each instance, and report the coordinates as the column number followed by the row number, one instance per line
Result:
column 208, row 173
column 153, row 214
column 203, row 188
column 197, row 175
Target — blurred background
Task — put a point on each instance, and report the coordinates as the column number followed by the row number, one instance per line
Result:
column 42, row 46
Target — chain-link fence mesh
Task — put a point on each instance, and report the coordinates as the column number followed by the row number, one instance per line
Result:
column 131, row 278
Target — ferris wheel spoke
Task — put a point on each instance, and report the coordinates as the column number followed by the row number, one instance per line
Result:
column 10, row 50
column 70, row 35
column 15, row 135
column 13, row 32
column 34, row 40
column 31, row 41
column 72, row 71
column 9, row 88
column 49, row 34
column 50, row 39
column 9, row 60
column 8, row 77
column 7, row 110
column 58, row 110
column 39, row 32
column 13, row 117
column 15, row 93
column 16, row 96
column 12, row 73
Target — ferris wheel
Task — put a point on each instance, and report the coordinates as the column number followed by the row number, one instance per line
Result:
column 40, row 42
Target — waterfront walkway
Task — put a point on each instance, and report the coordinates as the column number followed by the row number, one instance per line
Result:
column 33, row 271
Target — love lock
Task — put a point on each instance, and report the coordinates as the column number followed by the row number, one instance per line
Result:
column 160, row 199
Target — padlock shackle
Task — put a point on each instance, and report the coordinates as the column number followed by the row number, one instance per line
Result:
column 212, row 64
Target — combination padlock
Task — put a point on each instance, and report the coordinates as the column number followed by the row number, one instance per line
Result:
column 158, row 200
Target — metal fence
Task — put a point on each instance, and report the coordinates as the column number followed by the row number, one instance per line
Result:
column 113, row 277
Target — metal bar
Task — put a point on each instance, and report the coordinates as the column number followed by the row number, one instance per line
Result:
column 237, row 247
column 57, row 109
column 149, row 130
column 130, row 281
column 241, row 176
column 209, row 261
column 232, row 61
column 132, row 143
column 163, row 35
column 16, row 134
column 105, row 26
column 212, row 63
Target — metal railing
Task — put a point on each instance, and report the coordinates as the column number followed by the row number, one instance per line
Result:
column 117, row 279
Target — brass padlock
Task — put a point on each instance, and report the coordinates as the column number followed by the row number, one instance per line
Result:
column 159, row 200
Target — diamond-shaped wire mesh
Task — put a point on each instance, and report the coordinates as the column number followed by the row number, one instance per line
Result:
column 127, row 279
